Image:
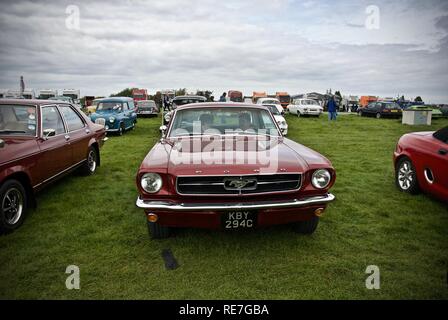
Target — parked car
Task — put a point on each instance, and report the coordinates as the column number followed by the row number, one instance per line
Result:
column 181, row 100
column 175, row 193
column 305, row 107
column 272, row 102
column 381, row 110
column 282, row 124
column 119, row 114
column 41, row 141
column 421, row 162
column 435, row 111
column 147, row 108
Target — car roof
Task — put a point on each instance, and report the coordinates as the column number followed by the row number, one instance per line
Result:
column 189, row 97
column 115, row 99
column 29, row 102
column 220, row 105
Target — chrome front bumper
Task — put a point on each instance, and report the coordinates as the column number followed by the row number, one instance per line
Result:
column 164, row 205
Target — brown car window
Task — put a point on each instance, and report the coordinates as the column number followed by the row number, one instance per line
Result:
column 72, row 119
column 51, row 119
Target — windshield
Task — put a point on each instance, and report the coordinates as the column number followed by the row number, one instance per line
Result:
column 18, row 120
column 146, row 104
column 109, row 106
column 442, row 134
column 223, row 121
column 181, row 102
column 273, row 110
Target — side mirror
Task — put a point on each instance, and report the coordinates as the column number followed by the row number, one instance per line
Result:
column 163, row 130
column 49, row 133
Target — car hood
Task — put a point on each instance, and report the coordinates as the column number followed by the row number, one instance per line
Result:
column 279, row 118
column 283, row 156
column 104, row 113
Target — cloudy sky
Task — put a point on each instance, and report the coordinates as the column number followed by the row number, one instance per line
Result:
column 371, row 47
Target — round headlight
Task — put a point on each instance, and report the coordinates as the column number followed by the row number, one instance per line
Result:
column 321, row 178
column 151, row 182
column 111, row 119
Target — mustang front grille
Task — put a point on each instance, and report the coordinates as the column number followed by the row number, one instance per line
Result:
column 238, row 185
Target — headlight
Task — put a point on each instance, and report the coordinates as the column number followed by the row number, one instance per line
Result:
column 321, row 178
column 111, row 119
column 151, row 182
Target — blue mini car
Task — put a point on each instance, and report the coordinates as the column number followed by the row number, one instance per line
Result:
column 118, row 114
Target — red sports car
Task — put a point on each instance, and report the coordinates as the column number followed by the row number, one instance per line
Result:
column 421, row 163
column 227, row 166
column 41, row 141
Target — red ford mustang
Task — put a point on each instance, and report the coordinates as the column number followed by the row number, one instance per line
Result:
column 421, row 163
column 41, row 141
column 228, row 166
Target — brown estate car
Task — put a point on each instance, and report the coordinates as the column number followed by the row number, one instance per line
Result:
column 41, row 141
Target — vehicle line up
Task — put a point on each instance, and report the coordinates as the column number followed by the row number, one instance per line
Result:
column 43, row 140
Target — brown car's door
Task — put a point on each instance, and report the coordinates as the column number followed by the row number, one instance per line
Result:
column 55, row 149
column 78, row 132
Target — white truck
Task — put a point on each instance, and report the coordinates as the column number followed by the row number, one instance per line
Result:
column 75, row 94
column 47, row 93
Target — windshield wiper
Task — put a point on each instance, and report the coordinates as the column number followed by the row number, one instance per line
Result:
column 12, row 131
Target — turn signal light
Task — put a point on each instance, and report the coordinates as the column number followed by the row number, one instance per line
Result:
column 319, row 212
column 152, row 217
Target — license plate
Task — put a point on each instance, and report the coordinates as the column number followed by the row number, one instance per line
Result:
column 237, row 219
column 394, row 110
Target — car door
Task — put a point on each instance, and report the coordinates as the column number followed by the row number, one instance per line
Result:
column 78, row 133
column 436, row 159
column 55, row 148
column 132, row 112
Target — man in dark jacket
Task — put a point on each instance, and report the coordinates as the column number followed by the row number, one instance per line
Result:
column 332, row 109
column 223, row 97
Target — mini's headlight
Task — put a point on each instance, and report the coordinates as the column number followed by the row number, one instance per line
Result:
column 321, row 178
column 111, row 119
column 151, row 182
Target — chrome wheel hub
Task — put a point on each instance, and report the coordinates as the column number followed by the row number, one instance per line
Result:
column 405, row 175
column 91, row 161
column 12, row 206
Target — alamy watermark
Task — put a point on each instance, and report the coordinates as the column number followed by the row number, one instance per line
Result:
column 73, row 280
column 72, row 21
column 373, row 280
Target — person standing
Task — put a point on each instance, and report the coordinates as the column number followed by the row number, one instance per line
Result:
column 222, row 98
column 331, row 109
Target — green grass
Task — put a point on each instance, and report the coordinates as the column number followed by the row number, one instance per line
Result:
column 92, row 222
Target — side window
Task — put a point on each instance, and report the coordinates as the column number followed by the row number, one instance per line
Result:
column 131, row 105
column 125, row 106
column 72, row 119
column 51, row 119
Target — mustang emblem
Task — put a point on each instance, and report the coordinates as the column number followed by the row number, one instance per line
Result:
column 240, row 184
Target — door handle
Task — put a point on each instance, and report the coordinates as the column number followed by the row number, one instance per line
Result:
column 67, row 137
column 443, row 152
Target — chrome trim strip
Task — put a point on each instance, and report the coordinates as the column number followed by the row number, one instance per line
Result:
column 164, row 205
column 58, row 174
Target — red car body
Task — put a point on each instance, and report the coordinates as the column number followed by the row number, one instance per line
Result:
column 428, row 153
column 174, row 208
column 36, row 160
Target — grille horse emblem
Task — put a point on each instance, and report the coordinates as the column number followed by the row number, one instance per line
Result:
column 240, row 184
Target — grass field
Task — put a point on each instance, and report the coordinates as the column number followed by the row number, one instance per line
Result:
column 92, row 222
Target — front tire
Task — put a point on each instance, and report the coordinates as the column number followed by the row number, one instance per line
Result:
column 378, row 115
column 157, row 231
column 406, row 177
column 121, row 129
column 13, row 205
column 307, row 227
column 298, row 114
column 91, row 164
column 360, row 113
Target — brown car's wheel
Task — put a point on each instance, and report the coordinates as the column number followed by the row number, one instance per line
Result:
column 378, row 115
column 405, row 176
column 90, row 165
column 360, row 113
column 157, row 231
column 13, row 205
column 307, row 227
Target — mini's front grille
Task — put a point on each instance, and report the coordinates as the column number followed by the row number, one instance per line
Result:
column 237, row 185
